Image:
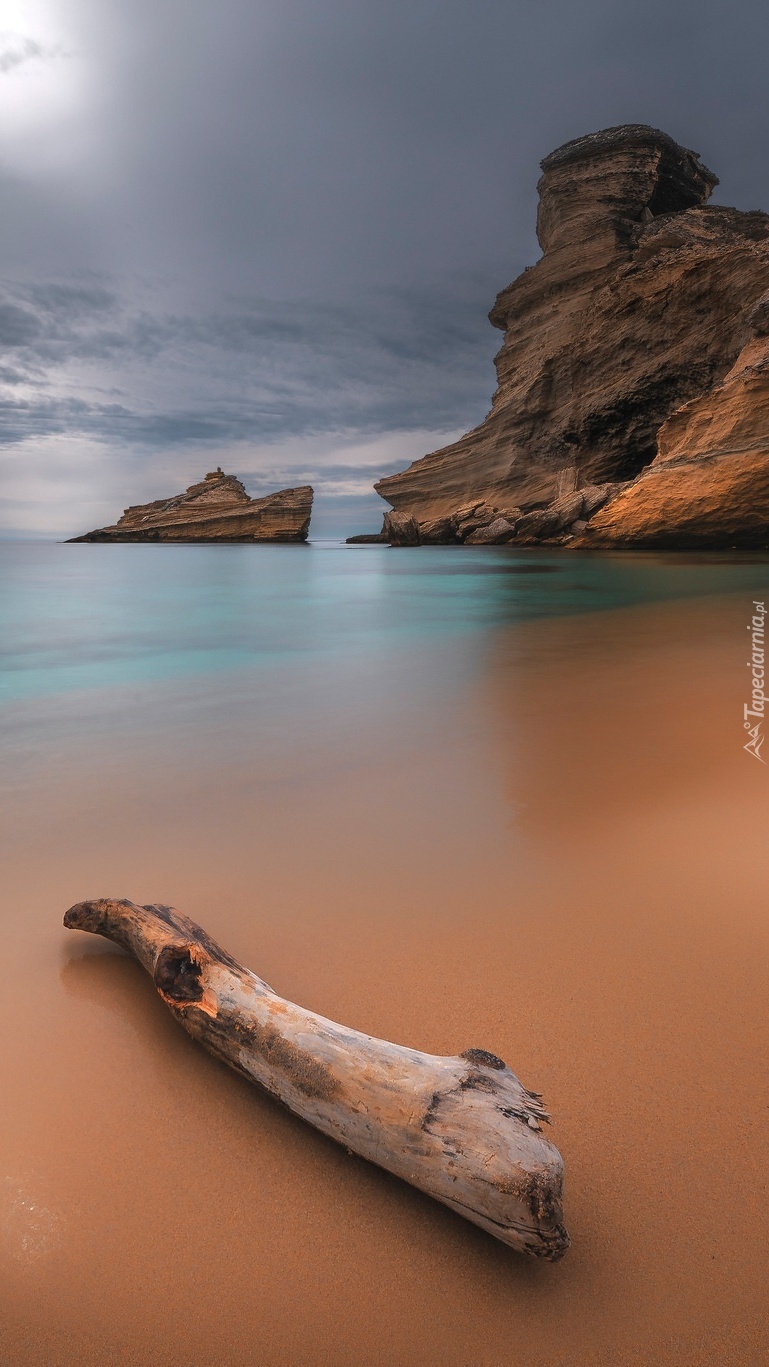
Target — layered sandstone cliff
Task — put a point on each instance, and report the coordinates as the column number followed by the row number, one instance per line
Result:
column 216, row 509
column 709, row 483
column 640, row 303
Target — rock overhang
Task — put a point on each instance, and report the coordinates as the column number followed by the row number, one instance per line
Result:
column 609, row 140
column 609, row 182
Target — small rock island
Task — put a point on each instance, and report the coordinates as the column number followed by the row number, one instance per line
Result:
column 216, row 509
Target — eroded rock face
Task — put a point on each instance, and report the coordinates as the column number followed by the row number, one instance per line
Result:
column 216, row 509
column 400, row 529
column 640, row 303
column 709, row 483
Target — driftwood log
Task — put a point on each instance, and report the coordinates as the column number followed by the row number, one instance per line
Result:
column 462, row 1129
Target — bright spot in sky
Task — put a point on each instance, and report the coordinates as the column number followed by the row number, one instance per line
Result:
column 40, row 83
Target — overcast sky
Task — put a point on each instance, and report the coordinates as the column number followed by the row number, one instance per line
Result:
column 266, row 233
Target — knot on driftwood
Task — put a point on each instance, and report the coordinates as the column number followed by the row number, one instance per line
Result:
column 177, row 974
column 179, row 978
column 484, row 1057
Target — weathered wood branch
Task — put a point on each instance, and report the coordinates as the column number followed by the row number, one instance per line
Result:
column 462, row 1129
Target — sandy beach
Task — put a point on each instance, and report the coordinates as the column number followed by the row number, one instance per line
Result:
column 565, row 861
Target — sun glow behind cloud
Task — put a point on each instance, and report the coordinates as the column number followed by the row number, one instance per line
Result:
column 42, row 86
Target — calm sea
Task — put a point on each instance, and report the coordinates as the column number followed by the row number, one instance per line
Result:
column 271, row 655
column 75, row 618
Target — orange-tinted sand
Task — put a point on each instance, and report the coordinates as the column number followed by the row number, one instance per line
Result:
column 568, row 865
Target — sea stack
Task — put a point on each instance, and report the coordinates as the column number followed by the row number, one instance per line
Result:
column 632, row 403
column 216, row 509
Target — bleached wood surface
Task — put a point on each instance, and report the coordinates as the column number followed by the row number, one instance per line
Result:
column 462, row 1129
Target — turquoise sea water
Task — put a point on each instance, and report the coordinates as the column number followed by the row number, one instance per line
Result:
column 82, row 617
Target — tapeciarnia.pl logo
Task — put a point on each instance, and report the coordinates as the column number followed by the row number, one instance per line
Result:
column 753, row 712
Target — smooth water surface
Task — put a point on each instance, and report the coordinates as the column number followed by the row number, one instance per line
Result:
column 80, row 616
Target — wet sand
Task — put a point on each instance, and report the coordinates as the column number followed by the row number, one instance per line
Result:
column 566, row 863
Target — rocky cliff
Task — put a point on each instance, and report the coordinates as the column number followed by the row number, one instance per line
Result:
column 641, row 303
column 216, row 509
column 709, row 483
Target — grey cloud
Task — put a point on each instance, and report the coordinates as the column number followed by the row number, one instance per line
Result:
column 11, row 376
column 18, row 326
column 332, row 473
column 72, row 299
column 16, row 51
column 389, row 361
column 275, row 219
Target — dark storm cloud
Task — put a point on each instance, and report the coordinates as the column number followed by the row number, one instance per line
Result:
column 18, row 327
column 390, row 361
column 327, row 145
column 255, row 220
column 72, row 300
